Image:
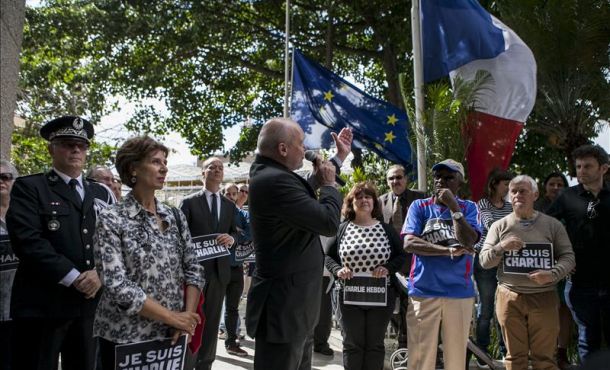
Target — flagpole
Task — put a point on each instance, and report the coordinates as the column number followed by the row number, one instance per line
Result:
column 418, row 72
column 286, row 61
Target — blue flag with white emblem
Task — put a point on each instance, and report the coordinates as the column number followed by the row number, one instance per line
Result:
column 323, row 102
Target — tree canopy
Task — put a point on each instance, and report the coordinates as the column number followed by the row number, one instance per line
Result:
column 216, row 64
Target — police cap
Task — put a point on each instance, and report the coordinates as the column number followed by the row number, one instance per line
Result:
column 69, row 127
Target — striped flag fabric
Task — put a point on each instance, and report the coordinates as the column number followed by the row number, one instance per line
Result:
column 460, row 38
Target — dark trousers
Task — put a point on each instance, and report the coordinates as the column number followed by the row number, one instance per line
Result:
column 106, row 354
column 6, row 348
column 214, row 293
column 37, row 344
column 322, row 330
column 402, row 320
column 487, row 283
column 591, row 311
column 295, row 355
column 363, row 330
column 233, row 295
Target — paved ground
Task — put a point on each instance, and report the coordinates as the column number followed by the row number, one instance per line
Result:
column 224, row 361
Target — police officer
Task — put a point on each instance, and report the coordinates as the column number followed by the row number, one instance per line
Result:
column 51, row 220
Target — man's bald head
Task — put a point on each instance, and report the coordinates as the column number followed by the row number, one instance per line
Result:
column 281, row 139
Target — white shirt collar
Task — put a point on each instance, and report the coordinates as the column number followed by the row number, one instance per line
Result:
column 67, row 178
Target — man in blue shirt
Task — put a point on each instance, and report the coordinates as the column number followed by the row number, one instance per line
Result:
column 441, row 232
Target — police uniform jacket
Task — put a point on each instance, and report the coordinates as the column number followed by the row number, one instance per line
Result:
column 51, row 232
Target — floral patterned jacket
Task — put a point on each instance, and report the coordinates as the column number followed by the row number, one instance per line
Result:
column 136, row 261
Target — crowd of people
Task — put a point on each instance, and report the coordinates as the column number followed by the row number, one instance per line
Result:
column 85, row 269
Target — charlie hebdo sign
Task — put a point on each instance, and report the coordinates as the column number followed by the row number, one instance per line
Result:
column 532, row 257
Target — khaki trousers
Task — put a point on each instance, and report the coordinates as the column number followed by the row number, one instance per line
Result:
column 425, row 316
column 530, row 326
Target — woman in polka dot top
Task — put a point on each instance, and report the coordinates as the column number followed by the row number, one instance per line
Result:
column 364, row 246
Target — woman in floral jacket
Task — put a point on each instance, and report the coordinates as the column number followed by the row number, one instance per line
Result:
column 144, row 257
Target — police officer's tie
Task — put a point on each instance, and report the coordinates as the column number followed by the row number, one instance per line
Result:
column 214, row 212
column 73, row 184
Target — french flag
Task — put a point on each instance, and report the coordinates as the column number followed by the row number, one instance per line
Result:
column 461, row 38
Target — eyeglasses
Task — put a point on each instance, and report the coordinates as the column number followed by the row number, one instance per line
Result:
column 69, row 144
column 392, row 178
column 591, row 211
column 243, row 191
column 6, row 176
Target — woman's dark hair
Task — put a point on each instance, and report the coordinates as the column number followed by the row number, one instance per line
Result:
column 495, row 176
column 553, row 175
column 132, row 152
column 362, row 187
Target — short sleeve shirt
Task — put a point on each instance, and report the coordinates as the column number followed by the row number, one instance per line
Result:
column 440, row 276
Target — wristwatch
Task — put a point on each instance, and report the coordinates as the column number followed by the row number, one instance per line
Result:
column 457, row 215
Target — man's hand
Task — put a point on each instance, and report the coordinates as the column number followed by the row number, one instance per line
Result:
column 446, row 197
column 225, row 239
column 380, row 272
column 325, row 173
column 541, row 277
column 343, row 141
column 512, row 243
column 88, row 283
column 345, row 273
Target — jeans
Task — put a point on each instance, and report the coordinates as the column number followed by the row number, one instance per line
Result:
column 486, row 285
column 591, row 311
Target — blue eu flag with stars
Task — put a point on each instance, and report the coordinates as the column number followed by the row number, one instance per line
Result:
column 323, row 102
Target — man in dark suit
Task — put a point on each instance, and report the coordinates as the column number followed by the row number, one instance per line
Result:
column 394, row 207
column 207, row 212
column 286, row 222
column 51, row 220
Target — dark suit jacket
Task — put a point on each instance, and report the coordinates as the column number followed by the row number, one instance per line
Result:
column 286, row 221
column 39, row 204
column 195, row 208
column 387, row 204
column 387, row 210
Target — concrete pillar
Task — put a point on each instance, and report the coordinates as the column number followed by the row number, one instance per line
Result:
column 12, row 14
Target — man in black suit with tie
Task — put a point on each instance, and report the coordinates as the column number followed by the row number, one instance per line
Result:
column 51, row 220
column 287, row 220
column 207, row 212
column 394, row 207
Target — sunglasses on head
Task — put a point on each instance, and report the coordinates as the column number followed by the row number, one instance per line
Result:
column 6, row 176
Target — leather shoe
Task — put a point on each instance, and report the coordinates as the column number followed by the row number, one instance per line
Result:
column 235, row 350
column 326, row 351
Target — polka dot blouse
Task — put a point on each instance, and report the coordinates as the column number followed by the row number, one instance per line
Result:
column 363, row 248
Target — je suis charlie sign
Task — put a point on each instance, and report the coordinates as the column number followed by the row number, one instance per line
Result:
column 207, row 248
column 151, row 355
column 532, row 257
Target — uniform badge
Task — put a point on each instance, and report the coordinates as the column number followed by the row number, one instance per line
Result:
column 53, row 225
column 77, row 123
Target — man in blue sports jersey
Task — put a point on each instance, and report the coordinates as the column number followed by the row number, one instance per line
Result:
column 441, row 232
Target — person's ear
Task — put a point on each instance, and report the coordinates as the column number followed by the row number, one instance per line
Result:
column 282, row 149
